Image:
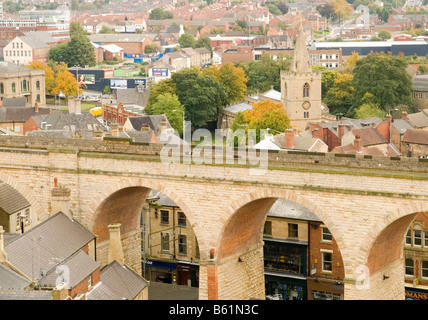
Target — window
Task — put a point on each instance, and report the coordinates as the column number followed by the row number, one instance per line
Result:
column 38, row 98
column 27, row 216
column 327, row 261
column 90, row 281
column 38, row 85
column 13, row 87
column 326, row 234
column 24, row 85
column 306, row 90
column 409, row 238
column 182, row 244
column 164, row 217
column 18, row 221
column 424, row 268
column 426, row 239
column 181, row 219
column 293, row 230
column 417, row 238
column 267, row 230
column 1, row 87
column 409, row 267
column 165, row 242
column 420, row 95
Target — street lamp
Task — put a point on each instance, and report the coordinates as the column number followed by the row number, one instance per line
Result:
column 390, row 111
column 77, row 67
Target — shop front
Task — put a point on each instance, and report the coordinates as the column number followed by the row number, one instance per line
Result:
column 282, row 287
column 325, row 289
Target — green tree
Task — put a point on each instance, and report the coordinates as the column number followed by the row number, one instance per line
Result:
column 327, row 80
column 384, row 34
column 161, row 87
column 186, row 40
column 204, row 42
column 200, row 94
column 369, row 110
column 76, row 29
column 160, row 14
column 385, row 78
column 339, row 96
column 105, row 30
column 81, row 51
column 169, row 105
column 265, row 73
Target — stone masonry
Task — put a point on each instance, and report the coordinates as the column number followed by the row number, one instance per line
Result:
column 366, row 202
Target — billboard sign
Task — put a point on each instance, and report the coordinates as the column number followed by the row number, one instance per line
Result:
column 160, row 72
column 118, row 84
column 86, row 78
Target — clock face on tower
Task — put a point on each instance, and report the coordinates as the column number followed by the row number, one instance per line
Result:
column 306, row 105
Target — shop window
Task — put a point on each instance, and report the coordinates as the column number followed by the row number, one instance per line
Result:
column 182, row 244
column 327, row 261
column 293, row 230
column 326, row 234
column 164, row 217
column 182, row 221
column 409, row 267
column 283, row 258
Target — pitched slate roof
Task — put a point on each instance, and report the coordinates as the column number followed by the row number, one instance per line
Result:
column 153, row 121
column 369, row 136
column 25, row 295
column 117, row 282
column 416, row 136
column 80, row 266
column 11, row 280
column 11, row 200
column 62, row 119
column 288, row 209
column 48, row 244
column 419, row 119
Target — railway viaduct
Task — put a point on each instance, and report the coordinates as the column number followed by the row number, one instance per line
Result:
column 367, row 202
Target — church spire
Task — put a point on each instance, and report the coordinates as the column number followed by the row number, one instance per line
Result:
column 301, row 62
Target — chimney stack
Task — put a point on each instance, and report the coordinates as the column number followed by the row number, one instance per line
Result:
column 388, row 118
column 74, row 105
column 61, row 200
column 163, row 125
column 114, row 129
column 3, row 255
column 289, row 138
column 36, row 107
column 341, row 130
column 115, row 251
column 358, row 144
column 404, row 115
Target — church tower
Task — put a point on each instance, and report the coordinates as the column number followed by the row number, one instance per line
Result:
column 301, row 87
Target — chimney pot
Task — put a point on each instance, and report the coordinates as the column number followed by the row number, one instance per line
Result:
column 357, row 143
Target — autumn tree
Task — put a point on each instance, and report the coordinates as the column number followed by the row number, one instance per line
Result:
column 66, row 84
column 49, row 74
column 342, row 8
column 232, row 78
column 264, row 114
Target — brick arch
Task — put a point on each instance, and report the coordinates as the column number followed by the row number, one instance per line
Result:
column 26, row 192
column 239, row 214
column 128, row 190
column 386, row 239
